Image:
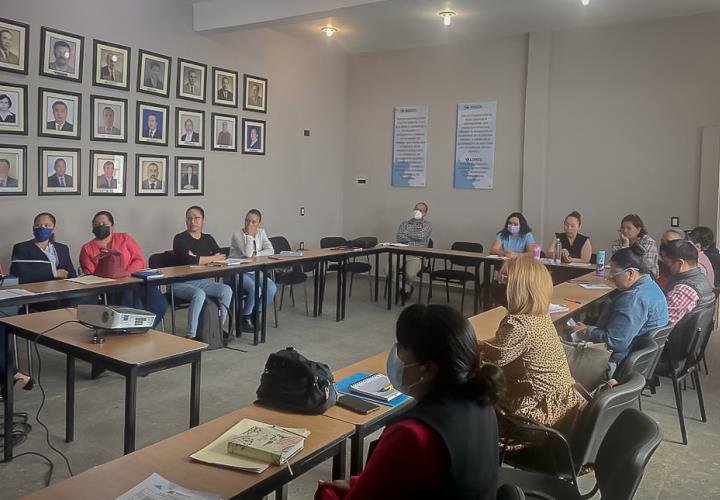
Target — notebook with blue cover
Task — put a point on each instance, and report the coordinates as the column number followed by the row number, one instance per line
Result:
column 343, row 386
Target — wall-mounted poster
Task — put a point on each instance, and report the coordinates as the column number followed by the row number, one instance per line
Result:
column 255, row 95
column 152, row 124
column 14, row 45
column 61, row 54
column 409, row 160
column 189, row 176
column 153, row 72
column 107, row 173
column 190, row 125
column 60, row 113
column 108, row 119
column 224, row 132
column 475, row 145
column 13, row 108
column 191, row 80
column 253, row 137
column 111, row 65
column 224, row 87
column 13, row 169
column 58, row 171
column 151, row 175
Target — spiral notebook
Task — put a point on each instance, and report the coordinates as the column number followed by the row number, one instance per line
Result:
column 376, row 386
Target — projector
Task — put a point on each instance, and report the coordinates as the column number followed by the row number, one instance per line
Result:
column 115, row 318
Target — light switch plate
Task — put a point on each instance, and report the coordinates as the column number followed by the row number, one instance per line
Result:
column 674, row 221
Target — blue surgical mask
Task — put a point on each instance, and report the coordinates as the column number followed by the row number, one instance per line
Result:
column 396, row 369
column 513, row 228
column 42, row 234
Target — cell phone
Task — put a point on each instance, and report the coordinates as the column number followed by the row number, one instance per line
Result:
column 357, row 405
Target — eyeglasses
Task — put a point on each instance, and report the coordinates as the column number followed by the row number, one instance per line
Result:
column 193, row 218
column 624, row 270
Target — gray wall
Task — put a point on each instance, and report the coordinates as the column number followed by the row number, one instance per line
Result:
column 307, row 85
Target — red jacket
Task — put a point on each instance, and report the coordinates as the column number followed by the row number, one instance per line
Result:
column 121, row 242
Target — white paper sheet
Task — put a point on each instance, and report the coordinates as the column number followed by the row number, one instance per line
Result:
column 89, row 279
column 156, row 487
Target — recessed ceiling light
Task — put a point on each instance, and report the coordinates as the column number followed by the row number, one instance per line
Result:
column 447, row 16
column 328, row 30
column 586, row 2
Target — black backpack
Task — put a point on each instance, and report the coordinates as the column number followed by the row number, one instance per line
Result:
column 209, row 328
column 293, row 382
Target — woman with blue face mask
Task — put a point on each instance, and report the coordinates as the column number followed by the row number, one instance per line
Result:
column 514, row 238
column 447, row 445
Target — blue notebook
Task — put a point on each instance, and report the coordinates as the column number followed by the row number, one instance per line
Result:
column 344, row 387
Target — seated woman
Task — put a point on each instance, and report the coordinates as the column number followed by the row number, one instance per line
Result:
column 527, row 347
column 514, row 238
column 447, row 445
column 639, row 307
column 106, row 239
column 632, row 230
column 252, row 242
column 576, row 247
column 195, row 247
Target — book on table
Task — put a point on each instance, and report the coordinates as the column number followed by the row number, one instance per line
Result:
column 376, row 386
column 274, row 445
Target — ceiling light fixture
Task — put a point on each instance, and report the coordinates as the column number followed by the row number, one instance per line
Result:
column 328, row 30
column 586, row 2
column 447, row 16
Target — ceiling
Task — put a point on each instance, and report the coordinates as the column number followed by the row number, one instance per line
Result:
column 375, row 25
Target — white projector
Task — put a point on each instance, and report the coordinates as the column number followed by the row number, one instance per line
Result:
column 115, row 318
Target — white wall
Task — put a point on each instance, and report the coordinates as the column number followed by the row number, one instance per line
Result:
column 307, row 85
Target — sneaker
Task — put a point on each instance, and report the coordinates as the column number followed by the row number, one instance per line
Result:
column 247, row 325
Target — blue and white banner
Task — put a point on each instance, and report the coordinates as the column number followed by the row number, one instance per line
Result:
column 475, row 145
column 410, row 146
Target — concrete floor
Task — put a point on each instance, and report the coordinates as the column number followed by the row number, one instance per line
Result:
column 230, row 378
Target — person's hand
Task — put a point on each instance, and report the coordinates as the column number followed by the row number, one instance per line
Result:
column 624, row 240
column 62, row 274
column 250, row 230
column 218, row 256
column 340, row 484
column 565, row 255
column 191, row 254
column 580, row 328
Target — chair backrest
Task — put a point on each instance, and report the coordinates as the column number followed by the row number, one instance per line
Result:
column 626, row 450
column 280, row 244
column 639, row 359
column 431, row 244
column 688, row 337
column 332, row 241
column 225, row 250
column 162, row 259
column 594, row 421
column 510, row 492
column 659, row 336
column 465, row 246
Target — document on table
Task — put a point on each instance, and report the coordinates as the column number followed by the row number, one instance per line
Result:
column 14, row 293
column 595, row 286
column 89, row 279
column 558, row 308
column 233, row 262
column 156, row 487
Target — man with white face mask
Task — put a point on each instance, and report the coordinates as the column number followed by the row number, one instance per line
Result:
column 414, row 232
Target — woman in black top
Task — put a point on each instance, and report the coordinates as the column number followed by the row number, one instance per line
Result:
column 576, row 247
column 192, row 247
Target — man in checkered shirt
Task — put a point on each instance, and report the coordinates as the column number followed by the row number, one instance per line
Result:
column 687, row 287
column 416, row 233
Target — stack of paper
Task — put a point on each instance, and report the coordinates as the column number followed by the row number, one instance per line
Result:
column 558, row 308
column 156, row 487
column 13, row 293
column 89, row 279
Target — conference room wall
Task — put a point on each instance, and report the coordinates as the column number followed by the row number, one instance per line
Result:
column 441, row 77
column 307, row 85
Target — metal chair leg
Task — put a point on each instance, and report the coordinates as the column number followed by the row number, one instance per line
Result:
column 307, row 309
column 292, row 295
column 275, row 310
column 701, row 400
column 282, row 295
column 679, row 404
column 462, row 298
column 172, row 310
column 447, row 290
column 352, row 277
column 370, row 281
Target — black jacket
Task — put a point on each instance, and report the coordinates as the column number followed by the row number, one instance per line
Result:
column 32, row 273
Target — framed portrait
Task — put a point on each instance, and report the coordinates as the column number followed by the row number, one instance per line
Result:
column 224, row 132
column 14, row 45
column 58, row 171
column 108, row 119
column 189, row 176
column 107, row 173
column 224, row 87
column 190, row 124
column 153, row 73
column 151, row 175
column 111, row 65
column 61, row 54
column 60, row 113
column 13, row 169
column 191, row 80
column 152, row 123
column 253, row 137
column 13, row 108
column 255, row 94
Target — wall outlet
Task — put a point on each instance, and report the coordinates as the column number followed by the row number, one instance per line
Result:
column 302, row 211
column 361, row 181
column 302, row 245
column 306, row 133
column 674, row 221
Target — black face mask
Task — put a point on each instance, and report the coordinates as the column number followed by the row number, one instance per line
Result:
column 101, row 232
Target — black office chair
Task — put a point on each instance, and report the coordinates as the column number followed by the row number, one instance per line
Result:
column 353, row 266
column 681, row 357
column 451, row 275
column 167, row 259
column 288, row 276
column 641, row 358
column 510, row 492
column 624, row 453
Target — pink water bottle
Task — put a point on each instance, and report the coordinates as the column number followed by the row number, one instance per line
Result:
column 536, row 252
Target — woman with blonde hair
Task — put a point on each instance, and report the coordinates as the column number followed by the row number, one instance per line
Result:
column 527, row 347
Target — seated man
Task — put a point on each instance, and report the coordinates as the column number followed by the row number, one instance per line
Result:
column 687, row 287
column 703, row 238
column 414, row 232
column 707, row 240
column 664, row 273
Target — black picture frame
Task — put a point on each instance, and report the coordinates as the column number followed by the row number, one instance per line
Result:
column 20, row 187
column 65, row 96
column 23, row 47
column 46, row 68
column 21, row 115
column 146, row 87
column 97, row 79
column 104, row 156
column 182, row 115
column 95, row 133
column 44, row 183
column 215, row 140
column 181, row 91
column 250, row 81
column 180, row 162
column 140, row 189
column 217, row 98
column 140, row 137
column 247, row 125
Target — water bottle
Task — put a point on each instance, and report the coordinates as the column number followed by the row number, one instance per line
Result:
column 558, row 251
column 536, row 252
column 600, row 260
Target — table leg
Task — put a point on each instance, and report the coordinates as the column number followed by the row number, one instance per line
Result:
column 237, row 279
column 388, row 281
column 397, row 278
column 70, row 399
column 338, row 298
column 9, row 397
column 130, row 410
column 282, row 492
column 344, row 289
column 476, row 295
column 356, row 453
column 402, row 287
column 256, row 316
column 377, row 275
column 339, row 465
column 321, row 284
column 316, row 289
column 195, row 392
column 263, row 316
